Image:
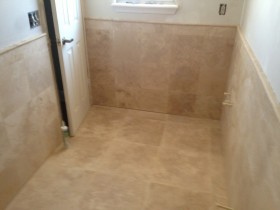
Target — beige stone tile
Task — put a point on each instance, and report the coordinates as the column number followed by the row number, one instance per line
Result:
column 31, row 142
column 41, row 77
column 207, row 106
column 143, row 99
column 218, row 170
column 100, row 64
column 187, row 136
column 127, row 73
column 14, row 88
column 4, row 141
column 99, row 172
column 104, row 94
column 110, row 113
column 155, row 45
column 129, row 160
column 163, row 197
column 102, row 75
column 100, row 43
column 99, row 24
column 128, row 98
column 82, row 153
column 185, row 47
column 181, row 103
column 221, row 32
column 219, row 181
column 194, row 121
column 183, row 168
column 184, row 76
column 144, row 131
column 188, row 60
column 19, row 130
column 53, row 188
column 102, row 122
column 153, row 100
column 30, row 120
column 154, row 76
column 9, row 183
column 250, row 129
column 111, row 192
column 146, row 115
column 11, row 57
column 127, row 42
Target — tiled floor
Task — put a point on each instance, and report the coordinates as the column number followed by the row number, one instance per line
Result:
column 131, row 160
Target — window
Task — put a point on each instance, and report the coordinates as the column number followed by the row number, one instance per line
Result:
column 169, row 2
column 146, row 6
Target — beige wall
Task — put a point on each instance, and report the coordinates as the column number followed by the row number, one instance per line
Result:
column 252, row 134
column 176, row 69
column 29, row 114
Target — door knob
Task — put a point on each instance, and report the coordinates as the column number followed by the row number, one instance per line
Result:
column 64, row 41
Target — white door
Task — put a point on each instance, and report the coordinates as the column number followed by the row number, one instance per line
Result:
column 71, row 47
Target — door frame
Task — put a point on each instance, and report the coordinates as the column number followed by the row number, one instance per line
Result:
column 55, row 60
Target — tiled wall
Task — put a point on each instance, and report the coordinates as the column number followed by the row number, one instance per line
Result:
column 252, row 135
column 29, row 115
column 175, row 69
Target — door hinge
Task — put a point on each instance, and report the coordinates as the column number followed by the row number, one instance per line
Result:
column 58, row 41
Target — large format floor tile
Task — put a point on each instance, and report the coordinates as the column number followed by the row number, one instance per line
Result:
column 132, row 160
column 171, row 198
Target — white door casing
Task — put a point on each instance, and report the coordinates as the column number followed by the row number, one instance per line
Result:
column 72, row 55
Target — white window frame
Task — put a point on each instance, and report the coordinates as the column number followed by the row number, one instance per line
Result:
column 146, row 6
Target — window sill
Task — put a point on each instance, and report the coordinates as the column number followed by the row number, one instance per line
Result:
column 168, row 9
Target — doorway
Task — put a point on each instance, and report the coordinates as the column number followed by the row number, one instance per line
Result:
column 65, row 26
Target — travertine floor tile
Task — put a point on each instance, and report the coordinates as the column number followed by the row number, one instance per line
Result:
column 185, row 169
column 131, row 160
column 107, row 192
column 102, row 122
column 187, row 136
column 170, row 198
column 146, row 115
column 143, row 131
column 53, row 187
column 82, row 153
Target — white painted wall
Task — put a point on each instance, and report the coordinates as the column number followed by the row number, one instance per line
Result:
column 14, row 23
column 261, row 27
column 203, row 12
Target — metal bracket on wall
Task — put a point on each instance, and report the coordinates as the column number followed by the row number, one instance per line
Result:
column 227, row 101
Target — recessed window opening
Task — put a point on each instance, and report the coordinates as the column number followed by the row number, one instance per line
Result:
column 146, row 6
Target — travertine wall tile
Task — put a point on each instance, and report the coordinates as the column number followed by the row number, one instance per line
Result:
column 251, row 132
column 174, row 67
column 29, row 115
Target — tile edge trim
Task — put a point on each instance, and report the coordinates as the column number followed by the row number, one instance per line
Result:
column 21, row 43
column 263, row 78
column 158, row 22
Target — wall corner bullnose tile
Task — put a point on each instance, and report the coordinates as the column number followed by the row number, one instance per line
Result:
column 29, row 114
column 251, row 131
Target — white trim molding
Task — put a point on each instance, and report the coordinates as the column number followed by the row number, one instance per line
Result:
column 148, row 7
